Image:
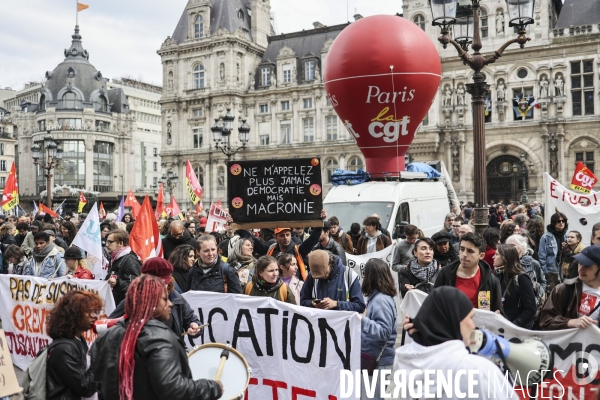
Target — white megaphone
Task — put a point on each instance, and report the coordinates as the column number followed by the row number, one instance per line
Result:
column 527, row 362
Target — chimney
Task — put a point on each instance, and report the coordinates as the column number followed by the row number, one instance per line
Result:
column 318, row 25
column 260, row 21
column 357, row 17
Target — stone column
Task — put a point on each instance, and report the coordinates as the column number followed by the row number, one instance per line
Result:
column 560, row 136
column 343, row 161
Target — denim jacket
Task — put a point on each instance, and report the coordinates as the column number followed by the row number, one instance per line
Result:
column 53, row 266
column 548, row 254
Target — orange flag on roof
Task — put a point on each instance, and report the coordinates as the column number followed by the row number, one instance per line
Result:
column 81, row 7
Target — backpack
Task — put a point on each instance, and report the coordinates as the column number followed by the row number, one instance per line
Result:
column 569, row 292
column 33, row 381
column 282, row 290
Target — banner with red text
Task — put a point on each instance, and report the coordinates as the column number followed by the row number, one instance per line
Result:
column 582, row 210
column 573, row 350
column 296, row 352
column 217, row 219
column 25, row 304
column 583, row 179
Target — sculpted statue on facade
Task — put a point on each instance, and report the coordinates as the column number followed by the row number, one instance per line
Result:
column 544, row 87
column 447, row 98
column 500, row 91
column 500, row 24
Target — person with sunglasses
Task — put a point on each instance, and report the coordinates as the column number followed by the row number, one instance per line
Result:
column 551, row 249
column 178, row 235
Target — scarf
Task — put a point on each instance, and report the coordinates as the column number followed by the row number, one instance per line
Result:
column 424, row 273
column 39, row 257
column 438, row 319
column 122, row 252
column 207, row 267
column 264, row 286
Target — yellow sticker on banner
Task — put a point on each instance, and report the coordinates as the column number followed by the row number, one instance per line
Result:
column 484, row 299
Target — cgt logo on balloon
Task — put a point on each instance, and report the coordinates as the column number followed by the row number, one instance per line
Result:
column 381, row 75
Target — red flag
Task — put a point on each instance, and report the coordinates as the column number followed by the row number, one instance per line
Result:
column 145, row 238
column 160, row 203
column 583, row 179
column 193, row 186
column 10, row 197
column 132, row 202
column 199, row 208
column 47, row 210
column 175, row 211
column 101, row 211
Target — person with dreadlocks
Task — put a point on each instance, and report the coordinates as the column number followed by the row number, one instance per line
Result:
column 140, row 358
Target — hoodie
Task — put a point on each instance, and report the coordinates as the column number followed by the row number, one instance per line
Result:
column 453, row 356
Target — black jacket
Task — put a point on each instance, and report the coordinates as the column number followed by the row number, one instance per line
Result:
column 448, row 258
column 161, row 366
column 519, row 304
column 127, row 268
column 170, row 243
column 334, row 248
column 67, row 374
column 212, row 281
column 181, row 312
column 406, row 277
column 489, row 283
column 61, row 243
column 180, row 277
column 261, row 248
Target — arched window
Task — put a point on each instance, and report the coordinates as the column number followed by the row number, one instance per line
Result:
column 198, row 76
column 101, row 104
column 69, row 100
column 483, row 19
column 199, row 27
column 43, row 103
column 354, row 163
column 331, row 166
column 199, row 171
column 419, row 20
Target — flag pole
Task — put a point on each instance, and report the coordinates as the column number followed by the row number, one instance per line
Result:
column 76, row 13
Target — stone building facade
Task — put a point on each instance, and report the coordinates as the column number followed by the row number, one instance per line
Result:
column 223, row 54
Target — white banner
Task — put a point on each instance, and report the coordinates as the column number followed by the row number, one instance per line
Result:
column 297, row 349
column 88, row 239
column 217, row 219
column 582, row 210
column 357, row 263
column 26, row 303
column 564, row 345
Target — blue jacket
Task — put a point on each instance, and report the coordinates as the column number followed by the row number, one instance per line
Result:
column 548, row 253
column 378, row 327
column 53, row 266
column 335, row 288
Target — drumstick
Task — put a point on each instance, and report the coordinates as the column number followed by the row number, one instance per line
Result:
column 201, row 326
column 224, row 357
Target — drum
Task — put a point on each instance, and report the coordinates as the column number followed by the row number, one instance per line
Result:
column 204, row 361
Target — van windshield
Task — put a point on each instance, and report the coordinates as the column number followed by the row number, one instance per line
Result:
column 348, row 213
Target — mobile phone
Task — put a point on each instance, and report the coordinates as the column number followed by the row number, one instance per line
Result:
column 317, row 301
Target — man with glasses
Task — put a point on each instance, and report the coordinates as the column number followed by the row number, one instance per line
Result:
column 576, row 302
column 551, row 248
column 177, row 236
column 124, row 264
column 191, row 228
column 456, row 224
column 448, row 222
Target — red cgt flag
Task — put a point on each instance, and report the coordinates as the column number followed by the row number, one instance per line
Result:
column 145, row 238
column 583, row 179
column 45, row 209
column 131, row 201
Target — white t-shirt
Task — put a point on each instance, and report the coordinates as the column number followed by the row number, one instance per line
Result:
column 590, row 298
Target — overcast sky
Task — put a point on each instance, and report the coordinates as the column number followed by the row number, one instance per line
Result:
column 122, row 36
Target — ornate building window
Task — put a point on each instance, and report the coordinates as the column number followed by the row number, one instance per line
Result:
column 287, row 73
column 263, row 108
column 265, row 75
column 308, row 103
column 354, row 163
column 197, row 137
column 70, row 101
column 309, row 71
column 331, row 127
column 587, row 158
column 103, row 162
column 330, row 166
column 42, row 103
column 70, row 123
column 198, row 76
column 264, row 132
column 419, row 20
column 582, row 87
column 483, row 22
column 285, row 105
column 286, row 132
column 308, row 125
column 199, row 171
column 101, row 104
column 199, row 27
column 197, row 112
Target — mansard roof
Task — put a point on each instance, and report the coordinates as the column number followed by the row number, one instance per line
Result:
column 579, row 12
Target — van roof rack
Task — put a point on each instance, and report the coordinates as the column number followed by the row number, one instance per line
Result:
column 400, row 176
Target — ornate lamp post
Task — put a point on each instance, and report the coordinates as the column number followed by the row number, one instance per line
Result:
column 463, row 15
column 515, row 168
column 222, row 131
column 170, row 181
column 54, row 153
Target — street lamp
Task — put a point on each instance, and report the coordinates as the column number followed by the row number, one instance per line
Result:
column 222, row 130
column 54, row 153
column 170, row 180
column 446, row 14
column 515, row 168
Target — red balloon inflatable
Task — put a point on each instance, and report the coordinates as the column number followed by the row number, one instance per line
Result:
column 381, row 75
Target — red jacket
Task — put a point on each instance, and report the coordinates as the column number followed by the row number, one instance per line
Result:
column 82, row 273
column 489, row 256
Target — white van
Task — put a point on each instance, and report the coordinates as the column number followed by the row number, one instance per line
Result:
column 411, row 199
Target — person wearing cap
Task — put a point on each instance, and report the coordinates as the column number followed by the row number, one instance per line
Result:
column 327, row 243
column 28, row 243
column 52, row 236
column 575, row 303
column 473, row 276
column 77, row 266
column 182, row 318
column 443, row 252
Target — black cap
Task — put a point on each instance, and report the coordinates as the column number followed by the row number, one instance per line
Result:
column 441, row 237
column 326, row 226
column 589, row 256
column 73, row 253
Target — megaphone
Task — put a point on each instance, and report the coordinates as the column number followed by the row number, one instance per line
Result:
column 527, row 362
column 102, row 325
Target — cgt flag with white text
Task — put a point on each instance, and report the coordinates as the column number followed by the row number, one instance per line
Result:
column 26, row 303
column 295, row 352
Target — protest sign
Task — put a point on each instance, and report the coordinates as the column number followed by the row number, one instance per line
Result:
column 583, row 179
column 573, row 350
column 8, row 378
column 26, row 303
column 294, row 352
column 582, row 210
column 357, row 263
column 217, row 219
column 275, row 193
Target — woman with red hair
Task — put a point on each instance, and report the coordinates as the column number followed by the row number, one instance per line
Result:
column 141, row 358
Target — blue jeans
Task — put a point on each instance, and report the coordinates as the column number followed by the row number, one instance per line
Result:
column 376, row 394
